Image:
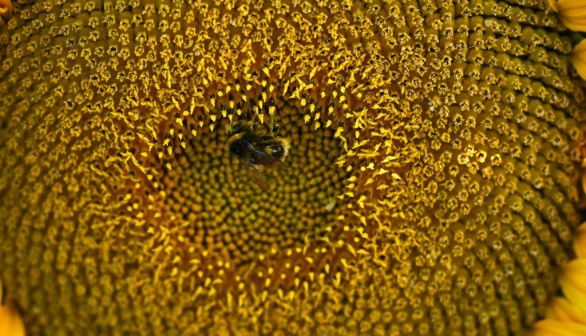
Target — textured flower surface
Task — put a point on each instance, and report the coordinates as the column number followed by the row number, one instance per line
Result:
column 431, row 187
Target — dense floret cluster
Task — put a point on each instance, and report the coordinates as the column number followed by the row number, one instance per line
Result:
column 431, row 185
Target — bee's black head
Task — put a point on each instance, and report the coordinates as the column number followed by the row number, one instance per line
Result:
column 276, row 150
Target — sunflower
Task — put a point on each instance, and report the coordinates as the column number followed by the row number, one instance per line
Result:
column 432, row 184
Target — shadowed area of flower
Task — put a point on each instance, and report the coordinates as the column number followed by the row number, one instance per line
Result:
column 431, row 186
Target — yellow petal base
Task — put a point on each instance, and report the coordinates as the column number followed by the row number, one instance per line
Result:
column 567, row 316
column 5, row 11
column 559, row 328
column 10, row 322
column 573, row 14
column 579, row 59
column 562, row 310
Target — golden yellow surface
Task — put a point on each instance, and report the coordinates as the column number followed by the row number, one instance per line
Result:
column 431, row 187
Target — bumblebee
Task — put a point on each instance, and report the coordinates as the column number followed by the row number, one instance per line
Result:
column 258, row 149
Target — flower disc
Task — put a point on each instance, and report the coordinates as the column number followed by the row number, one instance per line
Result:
column 430, row 187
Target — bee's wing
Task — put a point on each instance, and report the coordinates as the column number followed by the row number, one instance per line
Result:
column 257, row 174
column 260, row 157
column 282, row 165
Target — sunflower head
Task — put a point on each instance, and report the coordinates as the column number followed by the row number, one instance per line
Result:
column 430, row 186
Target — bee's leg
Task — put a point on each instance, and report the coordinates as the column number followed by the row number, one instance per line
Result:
column 254, row 125
column 274, row 125
column 229, row 126
column 234, row 128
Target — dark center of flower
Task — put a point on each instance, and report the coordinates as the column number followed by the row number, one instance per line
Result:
column 220, row 208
